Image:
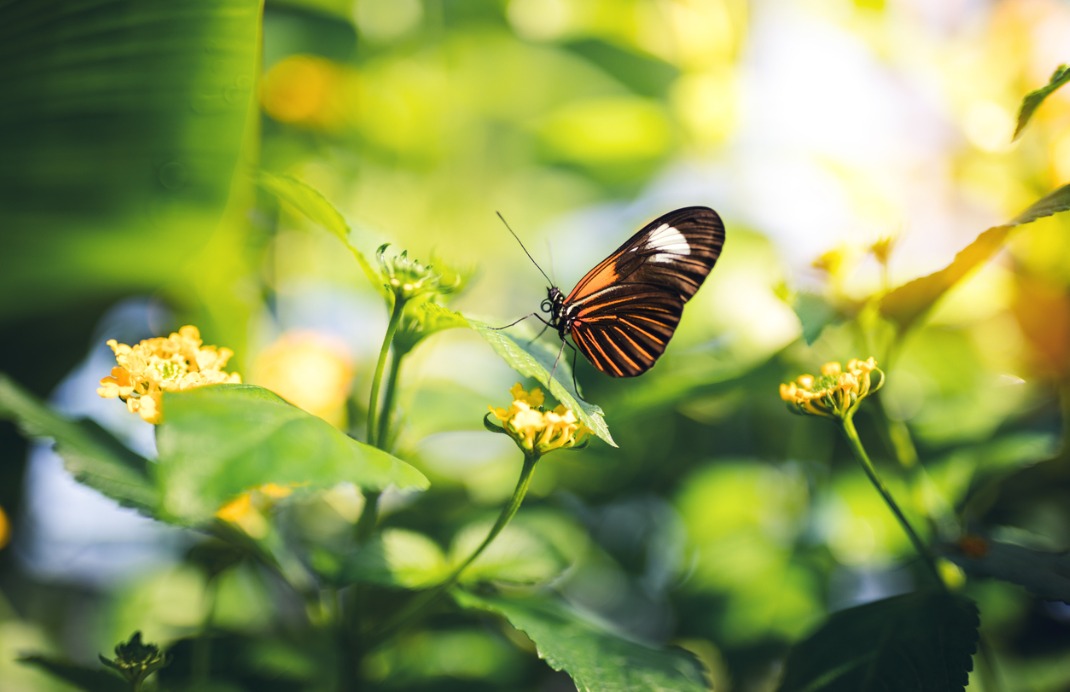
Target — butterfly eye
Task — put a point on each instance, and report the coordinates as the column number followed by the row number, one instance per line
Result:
column 546, row 305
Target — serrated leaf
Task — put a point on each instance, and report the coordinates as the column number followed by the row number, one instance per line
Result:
column 536, row 360
column 90, row 453
column 82, row 677
column 909, row 302
column 906, row 304
column 1033, row 99
column 218, row 441
column 1048, row 205
column 121, row 126
column 309, row 202
column 1044, row 573
column 594, row 656
column 923, row 642
column 399, row 558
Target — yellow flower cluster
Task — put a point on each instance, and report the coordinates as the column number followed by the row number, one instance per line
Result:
column 148, row 369
column 837, row 392
column 537, row 430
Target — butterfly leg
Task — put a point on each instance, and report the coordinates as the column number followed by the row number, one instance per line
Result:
column 546, row 325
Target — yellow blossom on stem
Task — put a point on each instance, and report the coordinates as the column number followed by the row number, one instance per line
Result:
column 882, row 248
column 536, row 430
column 836, row 392
column 163, row 364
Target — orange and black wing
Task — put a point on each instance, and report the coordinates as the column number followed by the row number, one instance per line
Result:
column 622, row 314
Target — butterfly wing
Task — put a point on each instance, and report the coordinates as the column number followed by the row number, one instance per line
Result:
column 622, row 314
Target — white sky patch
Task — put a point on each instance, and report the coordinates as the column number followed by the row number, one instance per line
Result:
column 668, row 244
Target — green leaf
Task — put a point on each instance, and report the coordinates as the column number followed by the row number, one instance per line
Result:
column 814, row 313
column 309, row 202
column 1049, row 205
column 121, row 126
column 594, row 656
column 399, row 558
column 516, row 556
column 1044, row 573
column 920, row 642
column 535, row 360
column 1033, row 99
column 90, row 679
column 90, row 453
column 908, row 303
column 422, row 319
column 218, row 441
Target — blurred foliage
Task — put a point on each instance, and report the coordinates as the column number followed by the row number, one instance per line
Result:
column 190, row 156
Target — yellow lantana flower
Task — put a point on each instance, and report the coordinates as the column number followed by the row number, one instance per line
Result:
column 837, row 392
column 536, row 430
column 163, row 364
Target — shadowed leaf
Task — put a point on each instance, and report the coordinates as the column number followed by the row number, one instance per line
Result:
column 595, row 657
column 90, row 679
column 90, row 453
column 1045, row 574
column 922, row 642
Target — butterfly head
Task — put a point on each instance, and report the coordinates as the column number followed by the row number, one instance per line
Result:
column 554, row 306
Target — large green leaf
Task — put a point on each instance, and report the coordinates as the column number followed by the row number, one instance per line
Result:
column 90, row 453
column 594, row 656
column 121, row 124
column 1033, row 99
column 536, row 360
column 923, row 642
column 216, row 442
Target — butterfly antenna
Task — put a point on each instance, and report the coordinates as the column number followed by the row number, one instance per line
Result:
column 550, row 254
column 523, row 248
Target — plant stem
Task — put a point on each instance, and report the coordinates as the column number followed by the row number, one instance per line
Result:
column 201, row 662
column 407, row 614
column 383, row 435
column 867, row 466
column 380, row 365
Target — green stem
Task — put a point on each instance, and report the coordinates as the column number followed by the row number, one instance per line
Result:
column 382, row 436
column 407, row 614
column 380, row 365
column 867, row 466
column 201, row 662
column 1064, row 405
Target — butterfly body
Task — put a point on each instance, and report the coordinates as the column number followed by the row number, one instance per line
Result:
column 623, row 312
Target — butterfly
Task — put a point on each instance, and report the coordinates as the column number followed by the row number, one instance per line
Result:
column 623, row 312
